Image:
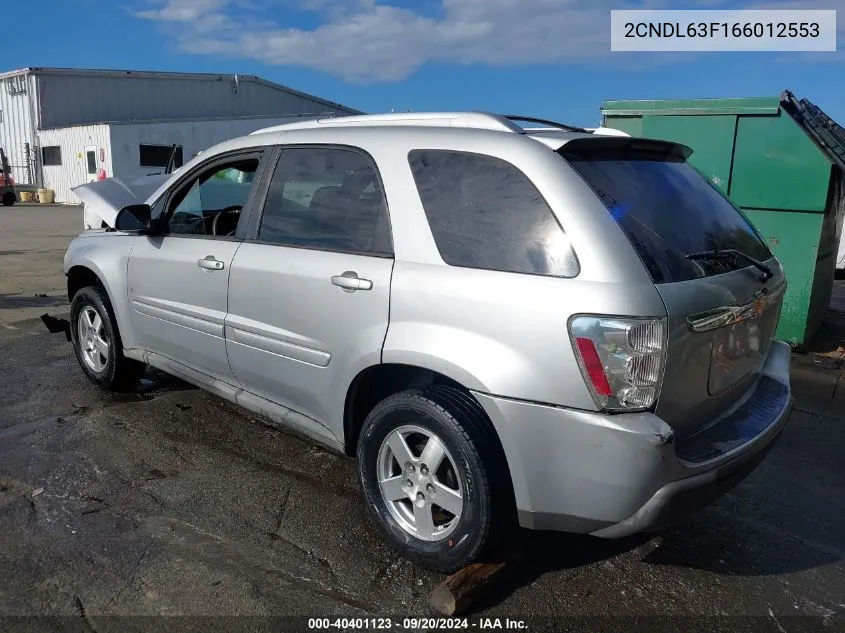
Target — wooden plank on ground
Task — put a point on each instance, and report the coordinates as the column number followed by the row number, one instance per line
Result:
column 459, row 591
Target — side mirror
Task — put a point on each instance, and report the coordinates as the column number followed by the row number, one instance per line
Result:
column 135, row 217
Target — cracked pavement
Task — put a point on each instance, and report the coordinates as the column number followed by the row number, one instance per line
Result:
column 173, row 502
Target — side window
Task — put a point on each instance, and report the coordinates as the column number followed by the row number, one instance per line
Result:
column 157, row 208
column 210, row 203
column 326, row 199
column 485, row 213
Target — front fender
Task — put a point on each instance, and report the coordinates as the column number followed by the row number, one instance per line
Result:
column 106, row 255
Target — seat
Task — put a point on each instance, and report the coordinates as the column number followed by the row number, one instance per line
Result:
column 352, row 219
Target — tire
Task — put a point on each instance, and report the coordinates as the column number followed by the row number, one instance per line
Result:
column 111, row 371
column 475, row 461
column 9, row 198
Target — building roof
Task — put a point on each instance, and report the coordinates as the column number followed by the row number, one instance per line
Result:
column 152, row 74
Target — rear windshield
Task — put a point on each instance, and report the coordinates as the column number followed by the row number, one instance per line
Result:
column 668, row 210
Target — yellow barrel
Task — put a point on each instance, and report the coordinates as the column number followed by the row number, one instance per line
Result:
column 46, row 196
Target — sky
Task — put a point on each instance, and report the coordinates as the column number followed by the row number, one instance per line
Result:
column 544, row 58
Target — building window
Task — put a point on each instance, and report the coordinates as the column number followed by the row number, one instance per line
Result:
column 158, row 155
column 51, row 156
column 16, row 85
column 91, row 161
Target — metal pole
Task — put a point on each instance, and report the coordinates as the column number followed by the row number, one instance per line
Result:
column 27, row 152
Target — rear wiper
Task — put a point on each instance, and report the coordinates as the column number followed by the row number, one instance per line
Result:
column 731, row 254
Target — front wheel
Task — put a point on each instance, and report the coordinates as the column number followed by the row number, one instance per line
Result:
column 96, row 342
column 427, row 470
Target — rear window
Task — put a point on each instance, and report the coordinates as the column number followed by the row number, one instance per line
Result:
column 485, row 213
column 668, row 210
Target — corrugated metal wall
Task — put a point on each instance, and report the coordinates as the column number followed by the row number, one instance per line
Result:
column 69, row 108
column 73, row 170
column 193, row 136
column 80, row 99
column 17, row 126
column 120, row 147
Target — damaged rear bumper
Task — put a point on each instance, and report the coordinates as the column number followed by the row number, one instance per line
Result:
column 616, row 475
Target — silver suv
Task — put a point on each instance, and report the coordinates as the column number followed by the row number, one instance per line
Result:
column 503, row 324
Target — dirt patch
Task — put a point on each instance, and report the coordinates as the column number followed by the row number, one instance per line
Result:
column 830, row 339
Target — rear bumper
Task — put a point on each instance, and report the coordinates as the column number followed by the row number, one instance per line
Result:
column 612, row 476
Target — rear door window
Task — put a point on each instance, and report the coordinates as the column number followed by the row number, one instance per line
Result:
column 485, row 213
column 668, row 210
column 327, row 198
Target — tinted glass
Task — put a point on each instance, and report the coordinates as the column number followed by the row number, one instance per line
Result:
column 668, row 211
column 219, row 191
column 326, row 199
column 485, row 213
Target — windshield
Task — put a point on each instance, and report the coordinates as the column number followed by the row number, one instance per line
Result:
column 668, row 211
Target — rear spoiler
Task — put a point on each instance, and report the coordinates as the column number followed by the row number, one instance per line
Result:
column 586, row 147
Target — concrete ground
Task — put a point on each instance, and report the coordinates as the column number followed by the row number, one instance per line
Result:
column 33, row 239
column 172, row 502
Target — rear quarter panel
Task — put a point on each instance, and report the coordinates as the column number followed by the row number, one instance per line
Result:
column 501, row 333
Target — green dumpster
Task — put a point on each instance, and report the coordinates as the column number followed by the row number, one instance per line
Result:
column 782, row 162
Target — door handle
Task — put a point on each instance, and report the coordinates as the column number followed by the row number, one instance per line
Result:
column 210, row 263
column 350, row 282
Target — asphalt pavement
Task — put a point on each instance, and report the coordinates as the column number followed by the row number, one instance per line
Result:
column 172, row 509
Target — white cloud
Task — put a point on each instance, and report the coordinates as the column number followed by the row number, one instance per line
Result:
column 369, row 40
column 183, row 10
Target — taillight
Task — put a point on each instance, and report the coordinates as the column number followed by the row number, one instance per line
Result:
column 621, row 359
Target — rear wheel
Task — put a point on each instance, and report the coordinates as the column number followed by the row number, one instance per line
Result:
column 427, row 471
column 9, row 198
column 97, row 344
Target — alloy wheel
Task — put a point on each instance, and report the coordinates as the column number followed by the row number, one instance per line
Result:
column 420, row 483
column 93, row 341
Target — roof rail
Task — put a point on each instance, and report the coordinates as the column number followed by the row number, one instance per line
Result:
column 479, row 120
column 546, row 122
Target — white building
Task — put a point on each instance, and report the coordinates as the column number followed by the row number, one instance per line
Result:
column 64, row 127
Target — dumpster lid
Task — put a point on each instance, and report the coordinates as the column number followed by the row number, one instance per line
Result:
column 662, row 107
column 826, row 133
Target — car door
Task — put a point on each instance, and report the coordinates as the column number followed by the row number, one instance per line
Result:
column 309, row 290
column 178, row 276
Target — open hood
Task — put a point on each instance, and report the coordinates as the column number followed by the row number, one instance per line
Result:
column 107, row 197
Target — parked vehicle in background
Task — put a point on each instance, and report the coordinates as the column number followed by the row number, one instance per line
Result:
column 550, row 327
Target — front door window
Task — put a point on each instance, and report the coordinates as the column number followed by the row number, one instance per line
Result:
column 211, row 202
